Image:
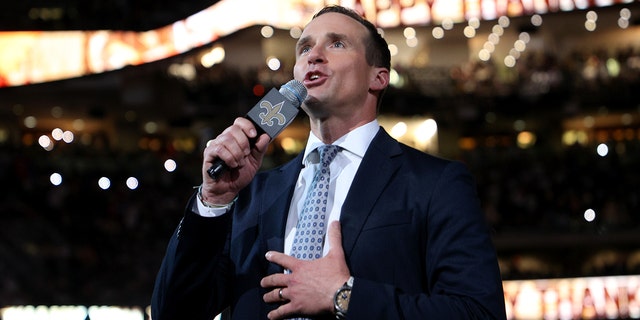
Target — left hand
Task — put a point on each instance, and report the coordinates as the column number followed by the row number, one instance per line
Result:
column 309, row 288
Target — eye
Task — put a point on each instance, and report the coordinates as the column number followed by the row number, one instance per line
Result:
column 338, row 44
column 304, row 49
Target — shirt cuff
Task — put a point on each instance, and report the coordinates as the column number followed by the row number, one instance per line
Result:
column 208, row 212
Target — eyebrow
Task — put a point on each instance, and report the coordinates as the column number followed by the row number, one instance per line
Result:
column 302, row 41
column 331, row 35
column 336, row 36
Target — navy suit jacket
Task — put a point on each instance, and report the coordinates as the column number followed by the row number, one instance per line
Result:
column 414, row 237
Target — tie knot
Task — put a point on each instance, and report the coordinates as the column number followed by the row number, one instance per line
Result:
column 327, row 153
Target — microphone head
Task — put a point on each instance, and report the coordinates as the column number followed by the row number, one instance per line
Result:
column 294, row 91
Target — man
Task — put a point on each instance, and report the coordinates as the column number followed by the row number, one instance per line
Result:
column 406, row 237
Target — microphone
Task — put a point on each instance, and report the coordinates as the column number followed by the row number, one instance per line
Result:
column 270, row 115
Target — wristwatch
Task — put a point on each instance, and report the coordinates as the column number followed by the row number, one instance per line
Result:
column 341, row 299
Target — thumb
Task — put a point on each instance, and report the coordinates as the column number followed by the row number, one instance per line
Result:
column 335, row 236
column 262, row 142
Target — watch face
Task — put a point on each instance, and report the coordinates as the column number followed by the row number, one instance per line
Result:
column 342, row 299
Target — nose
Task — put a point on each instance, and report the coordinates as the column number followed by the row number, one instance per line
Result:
column 316, row 55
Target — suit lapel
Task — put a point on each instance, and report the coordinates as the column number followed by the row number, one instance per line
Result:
column 375, row 171
column 276, row 202
column 276, row 192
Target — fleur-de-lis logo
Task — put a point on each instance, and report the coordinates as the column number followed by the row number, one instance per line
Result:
column 272, row 112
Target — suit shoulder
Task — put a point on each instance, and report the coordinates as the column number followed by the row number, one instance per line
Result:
column 416, row 155
column 419, row 161
column 293, row 165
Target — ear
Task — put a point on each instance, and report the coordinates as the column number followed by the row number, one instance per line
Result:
column 379, row 79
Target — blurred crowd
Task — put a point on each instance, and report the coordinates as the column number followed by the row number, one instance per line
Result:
column 534, row 190
column 75, row 243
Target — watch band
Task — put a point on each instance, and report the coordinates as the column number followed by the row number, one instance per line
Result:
column 349, row 282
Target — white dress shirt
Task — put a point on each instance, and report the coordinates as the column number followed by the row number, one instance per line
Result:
column 343, row 169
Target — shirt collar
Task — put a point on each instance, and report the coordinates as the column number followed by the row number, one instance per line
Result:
column 355, row 141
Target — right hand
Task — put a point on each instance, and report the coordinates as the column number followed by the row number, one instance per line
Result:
column 234, row 148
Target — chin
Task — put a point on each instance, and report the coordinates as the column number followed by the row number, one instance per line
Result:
column 313, row 107
column 310, row 102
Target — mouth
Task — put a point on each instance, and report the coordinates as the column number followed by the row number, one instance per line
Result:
column 314, row 78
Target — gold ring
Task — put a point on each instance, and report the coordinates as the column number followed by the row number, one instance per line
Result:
column 280, row 294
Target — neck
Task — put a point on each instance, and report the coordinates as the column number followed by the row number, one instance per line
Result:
column 329, row 122
column 330, row 130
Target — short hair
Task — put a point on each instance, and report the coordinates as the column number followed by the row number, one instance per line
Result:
column 377, row 50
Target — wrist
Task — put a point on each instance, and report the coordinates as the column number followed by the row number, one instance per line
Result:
column 214, row 205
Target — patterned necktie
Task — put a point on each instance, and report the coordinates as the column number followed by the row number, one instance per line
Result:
column 309, row 237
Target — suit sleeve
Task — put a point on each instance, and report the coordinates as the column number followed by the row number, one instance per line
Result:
column 461, row 276
column 196, row 273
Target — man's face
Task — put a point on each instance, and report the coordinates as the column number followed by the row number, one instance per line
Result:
column 331, row 63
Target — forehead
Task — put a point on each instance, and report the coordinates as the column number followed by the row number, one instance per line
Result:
column 336, row 23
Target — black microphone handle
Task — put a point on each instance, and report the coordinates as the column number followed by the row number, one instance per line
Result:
column 216, row 169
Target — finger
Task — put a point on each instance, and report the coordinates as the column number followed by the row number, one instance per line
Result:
column 281, row 312
column 262, row 143
column 247, row 127
column 281, row 259
column 244, row 142
column 335, row 236
column 276, row 280
column 231, row 146
column 274, row 296
column 236, row 143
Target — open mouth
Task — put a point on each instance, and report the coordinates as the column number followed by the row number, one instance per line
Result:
column 314, row 77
